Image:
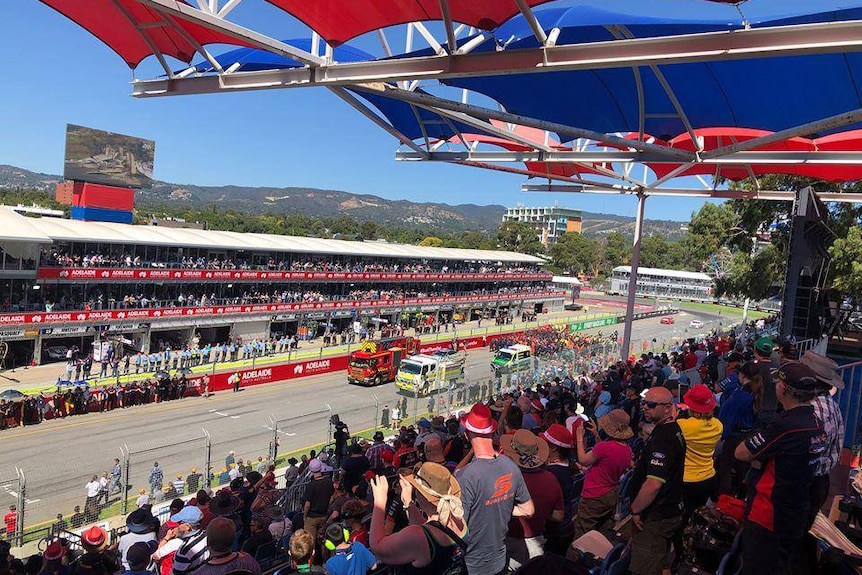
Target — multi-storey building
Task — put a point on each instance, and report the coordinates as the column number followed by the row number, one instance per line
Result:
column 550, row 223
column 68, row 283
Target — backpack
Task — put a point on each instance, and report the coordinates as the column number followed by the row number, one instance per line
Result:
column 458, row 561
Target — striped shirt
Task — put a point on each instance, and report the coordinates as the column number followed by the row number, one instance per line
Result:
column 829, row 415
column 192, row 554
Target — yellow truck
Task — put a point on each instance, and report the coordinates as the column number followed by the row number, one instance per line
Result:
column 424, row 374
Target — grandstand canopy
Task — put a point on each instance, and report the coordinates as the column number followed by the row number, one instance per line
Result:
column 676, row 274
column 49, row 230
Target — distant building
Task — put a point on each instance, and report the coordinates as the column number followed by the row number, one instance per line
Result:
column 550, row 223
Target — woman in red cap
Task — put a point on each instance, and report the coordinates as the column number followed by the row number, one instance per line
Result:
column 702, row 432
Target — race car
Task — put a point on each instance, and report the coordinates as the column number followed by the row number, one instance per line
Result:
column 696, row 323
column 667, row 320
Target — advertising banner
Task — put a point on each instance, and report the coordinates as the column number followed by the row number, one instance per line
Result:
column 139, row 274
column 141, row 314
column 592, row 323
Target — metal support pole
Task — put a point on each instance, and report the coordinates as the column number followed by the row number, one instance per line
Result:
column 22, row 501
column 329, row 430
column 376, row 412
column 208, row 464
column 633, row 278
column 124, row 488
column 273, row 446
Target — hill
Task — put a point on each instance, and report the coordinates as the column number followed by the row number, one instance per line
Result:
column 333, row 203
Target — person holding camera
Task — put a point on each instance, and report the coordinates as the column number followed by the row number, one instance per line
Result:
column 432, row 543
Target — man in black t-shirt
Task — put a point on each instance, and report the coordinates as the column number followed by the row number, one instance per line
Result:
column 657, row 486
column 317, row 496
column 354, row 467
column 782, row 456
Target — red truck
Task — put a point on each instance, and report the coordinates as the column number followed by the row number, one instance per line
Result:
column 377, row 362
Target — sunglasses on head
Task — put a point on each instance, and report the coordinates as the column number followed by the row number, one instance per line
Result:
column 653, row 404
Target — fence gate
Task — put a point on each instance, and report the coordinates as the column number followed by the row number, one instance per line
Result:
column 184, row 467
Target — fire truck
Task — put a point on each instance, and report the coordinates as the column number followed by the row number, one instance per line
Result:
column 377, row 362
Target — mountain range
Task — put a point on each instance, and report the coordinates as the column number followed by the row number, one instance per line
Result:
column 315, row 202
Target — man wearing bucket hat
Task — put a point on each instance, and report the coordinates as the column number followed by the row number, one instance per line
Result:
column 525, row 538
column 778, row 512
column 607, row 463
column 492, row 491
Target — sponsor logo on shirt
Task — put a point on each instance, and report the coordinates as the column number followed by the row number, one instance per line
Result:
column 502, row 490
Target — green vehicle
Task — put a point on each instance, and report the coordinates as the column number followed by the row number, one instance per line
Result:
column 512, row 359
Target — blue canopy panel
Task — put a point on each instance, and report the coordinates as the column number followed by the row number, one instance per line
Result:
column 401, row 116
column 582, row 24
column 768, row 93
column 253, row 59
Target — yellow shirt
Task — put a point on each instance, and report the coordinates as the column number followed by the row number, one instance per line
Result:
column 701, row 437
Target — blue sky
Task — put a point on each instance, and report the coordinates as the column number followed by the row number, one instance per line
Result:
column 56, row 73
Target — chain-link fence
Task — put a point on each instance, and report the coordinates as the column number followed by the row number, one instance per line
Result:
column 157, row 470
column 13, row 493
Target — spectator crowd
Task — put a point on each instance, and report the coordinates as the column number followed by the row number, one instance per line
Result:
column 719, row 449
column 281, row 262
column 115, row 296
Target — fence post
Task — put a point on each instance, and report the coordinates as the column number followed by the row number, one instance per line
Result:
column 208, row 458
column 273, row 445
column 376, row 412
column 329, row 426
column 124, row 488
column 22, row 500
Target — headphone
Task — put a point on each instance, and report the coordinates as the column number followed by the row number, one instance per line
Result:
column 331, row 545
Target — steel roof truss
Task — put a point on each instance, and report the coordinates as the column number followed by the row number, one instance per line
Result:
column 357, row 105
column 214, row 22
column 489, row 114
column 770, row 195
column 619, row 156
column 804, row 39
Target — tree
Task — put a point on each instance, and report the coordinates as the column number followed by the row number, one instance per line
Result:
column 431, row 242
column 519, row 237
column 370, row 230
column 618, row 250
column 575, row 254
column 846, row 265
column 709, row 229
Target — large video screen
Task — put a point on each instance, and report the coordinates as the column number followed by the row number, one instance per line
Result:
column 101, row 157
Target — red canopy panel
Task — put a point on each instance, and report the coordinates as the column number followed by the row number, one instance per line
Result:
column 564, row 169
column 337, row 21
column 714, row 138
column 122, row 24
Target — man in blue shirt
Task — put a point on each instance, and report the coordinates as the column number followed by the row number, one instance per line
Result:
column 347, row 558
